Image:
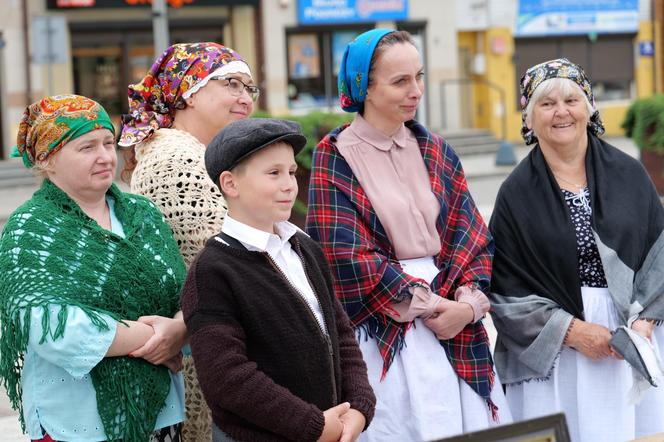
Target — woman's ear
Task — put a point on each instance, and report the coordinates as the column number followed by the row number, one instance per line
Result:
column 228, row 184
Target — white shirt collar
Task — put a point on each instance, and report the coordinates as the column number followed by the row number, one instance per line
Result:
column 259, row 239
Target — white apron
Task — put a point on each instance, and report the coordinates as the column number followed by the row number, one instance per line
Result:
column 592, row 394
column 421, row 397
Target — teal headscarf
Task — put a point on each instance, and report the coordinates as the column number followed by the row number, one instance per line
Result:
column 354, row 71
column 48, row 124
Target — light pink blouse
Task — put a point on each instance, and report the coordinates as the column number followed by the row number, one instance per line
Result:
column 393, row 175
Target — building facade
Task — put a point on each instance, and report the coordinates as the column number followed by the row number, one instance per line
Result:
column 474, row 51
column 97, row 47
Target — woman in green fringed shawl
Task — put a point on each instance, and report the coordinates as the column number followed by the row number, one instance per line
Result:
column 80, row 263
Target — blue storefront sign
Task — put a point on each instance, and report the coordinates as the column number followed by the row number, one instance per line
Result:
column 646, row 49
column 576, row 17
column 315, row 12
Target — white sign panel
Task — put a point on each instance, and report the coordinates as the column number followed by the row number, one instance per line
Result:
column 472, row 15
column 49, row 39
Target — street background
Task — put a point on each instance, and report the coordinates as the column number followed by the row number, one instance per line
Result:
column 474, row 52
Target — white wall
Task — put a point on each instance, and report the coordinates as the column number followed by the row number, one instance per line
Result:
column 502, row 13
column 13, row 77
column 276, row 18
column 441, row 57
column 645, row 10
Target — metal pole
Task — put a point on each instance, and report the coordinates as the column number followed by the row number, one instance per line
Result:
column 505, row 155
column 443, row 111
column 50, row 51
column 260, row 55
column 327, row 63
column 26, row 52
column 160, row 26
column 503, row 103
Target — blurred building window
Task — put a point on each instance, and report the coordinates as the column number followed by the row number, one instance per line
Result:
column 314, row 57
column 611, row 80
column 108, row 57
column 97, row 74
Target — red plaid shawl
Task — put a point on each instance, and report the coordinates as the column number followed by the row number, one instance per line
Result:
column 368, row 274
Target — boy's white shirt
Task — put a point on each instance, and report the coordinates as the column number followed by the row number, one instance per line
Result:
column 280, row 250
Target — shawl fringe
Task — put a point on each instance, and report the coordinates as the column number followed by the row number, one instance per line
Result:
column 53, row 256
column 371, row 328
column 493, row 408
column 15, row 329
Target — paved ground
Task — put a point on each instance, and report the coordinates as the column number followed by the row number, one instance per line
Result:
column 484, row 179
column 10, row 430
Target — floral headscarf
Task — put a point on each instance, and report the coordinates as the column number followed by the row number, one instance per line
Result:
column 559, row 68
column 154, row 100
column 47, row 125
column 354, row 70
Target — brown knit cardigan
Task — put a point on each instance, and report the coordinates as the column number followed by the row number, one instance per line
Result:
column 266, row 369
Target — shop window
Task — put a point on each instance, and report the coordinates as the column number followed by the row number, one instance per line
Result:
column 314, row 59
column 611, row 80
column 106, row 60
column 97, row 74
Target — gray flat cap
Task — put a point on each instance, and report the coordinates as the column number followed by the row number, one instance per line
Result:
column 241, row 138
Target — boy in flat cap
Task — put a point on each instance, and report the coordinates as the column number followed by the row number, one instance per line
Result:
column 274, row 350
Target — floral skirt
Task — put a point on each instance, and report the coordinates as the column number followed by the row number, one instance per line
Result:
column 166, row 434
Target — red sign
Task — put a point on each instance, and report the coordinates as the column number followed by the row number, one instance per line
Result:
column 173, row 3
column 75, row 3
column 105, row 4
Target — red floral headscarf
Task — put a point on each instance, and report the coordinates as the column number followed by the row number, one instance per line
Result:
column 154, row 100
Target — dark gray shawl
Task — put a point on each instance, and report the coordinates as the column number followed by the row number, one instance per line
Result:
column 535, row 287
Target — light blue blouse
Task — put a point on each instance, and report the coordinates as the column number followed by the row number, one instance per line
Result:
column 58, row 395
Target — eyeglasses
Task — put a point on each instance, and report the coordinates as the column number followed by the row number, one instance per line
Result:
column 236, row 87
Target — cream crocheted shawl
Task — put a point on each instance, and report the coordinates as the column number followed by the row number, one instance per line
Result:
column 171, row 172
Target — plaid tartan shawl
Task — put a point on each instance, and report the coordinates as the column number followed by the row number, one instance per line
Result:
column 368, row 276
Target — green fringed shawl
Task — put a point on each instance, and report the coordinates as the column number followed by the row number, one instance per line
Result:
column 51, row 253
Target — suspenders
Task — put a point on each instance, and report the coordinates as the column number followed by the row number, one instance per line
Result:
column 231, row 241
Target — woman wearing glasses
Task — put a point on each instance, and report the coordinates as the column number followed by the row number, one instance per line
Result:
column 190, row 93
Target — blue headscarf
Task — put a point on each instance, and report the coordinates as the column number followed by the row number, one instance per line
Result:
column 354, row 71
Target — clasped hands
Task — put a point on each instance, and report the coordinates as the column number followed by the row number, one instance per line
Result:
column 446, row 318
column 449, row 318
column 342, row 424
column 593, row 340
column 164, row 347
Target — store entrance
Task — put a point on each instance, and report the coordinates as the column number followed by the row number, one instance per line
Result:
column 105, row 62
column 104, row 72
